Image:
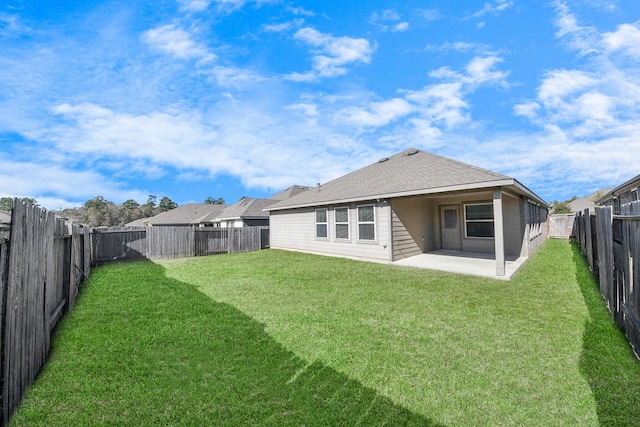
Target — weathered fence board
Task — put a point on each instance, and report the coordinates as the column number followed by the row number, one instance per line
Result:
column 211, row 241
column 118, row 243
column 36, row 273
column 170, row 242
column 616, row 262
column 45, row 259
column 110, row 244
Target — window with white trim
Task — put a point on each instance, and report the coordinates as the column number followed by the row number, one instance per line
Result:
column 341, row 216
column 366, row 222
column 321, row 224
column 478, row 220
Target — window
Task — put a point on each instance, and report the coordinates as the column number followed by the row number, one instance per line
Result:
column 342, row 223
column 366, row 223
column 479, row 220
column 321, row 224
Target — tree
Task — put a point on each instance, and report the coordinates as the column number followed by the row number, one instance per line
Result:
column 211, row 201
column 99, row 212
column 148, row 209
column 562, row 207
column 6, row 203
column 166, row 204
column 130, row 211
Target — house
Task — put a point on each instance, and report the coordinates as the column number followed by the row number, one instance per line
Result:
column 412, row 203
column 623, row 194
column 288, row 193
column 588, row 202
column 5, row 219
column 190, row 214
column 247, row 212
column 250, row 212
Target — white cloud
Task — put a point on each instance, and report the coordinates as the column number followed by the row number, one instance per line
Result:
column 42, row 180
column 300, row 11
column 582, row 38
column 177, row 42
column 376, row 114
column 625, row 40
column 497, row 7
column 331, row 54
column 194, row 5
column 599, row 99
column 481, row 70
column 284, row 26
column 400, row 27
column 589, row 115
column 245, row 140
column 442, row 104
column 428, row 14
column 387, row 20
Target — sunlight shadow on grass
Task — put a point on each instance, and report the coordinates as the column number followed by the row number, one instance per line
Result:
column 607, row 357
column 149, row 350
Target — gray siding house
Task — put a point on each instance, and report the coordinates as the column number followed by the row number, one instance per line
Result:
column 623, row 194
column 412, row 203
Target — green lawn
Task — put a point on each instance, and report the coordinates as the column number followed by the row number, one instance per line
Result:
column 280, row 338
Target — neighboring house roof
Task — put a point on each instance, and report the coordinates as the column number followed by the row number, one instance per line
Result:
column 186, row 214
column 294, row 190
column 5, row 218
column 626, row 186
column 588, row 202
column 408, row 173
column 210, row 216
column 138, row 222
column 247, row 208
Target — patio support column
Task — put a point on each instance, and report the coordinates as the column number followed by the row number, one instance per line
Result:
column 498, row 224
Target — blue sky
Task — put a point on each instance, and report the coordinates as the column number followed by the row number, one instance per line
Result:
column 229, row 98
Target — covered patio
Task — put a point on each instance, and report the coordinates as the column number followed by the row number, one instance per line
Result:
column 475, row 264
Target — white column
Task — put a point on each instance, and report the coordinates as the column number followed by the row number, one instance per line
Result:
column 498, row 224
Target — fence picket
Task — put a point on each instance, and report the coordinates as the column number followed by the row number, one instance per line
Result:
column 45, row 259
column 616, row 262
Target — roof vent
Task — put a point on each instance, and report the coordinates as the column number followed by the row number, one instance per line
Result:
column 412, row 151
column 383, row 160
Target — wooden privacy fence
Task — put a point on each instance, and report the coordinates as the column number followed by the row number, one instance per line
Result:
column 560, row 225
column 43, row 260
column 41, row 267
column 611, row 244
column 122, row 243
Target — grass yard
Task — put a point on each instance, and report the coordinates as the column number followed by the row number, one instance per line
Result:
column 288, row 339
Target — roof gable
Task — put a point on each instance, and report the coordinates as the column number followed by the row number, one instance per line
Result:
column 185, row 214
column 294, row 190
column 246, row 208
column 409, row 172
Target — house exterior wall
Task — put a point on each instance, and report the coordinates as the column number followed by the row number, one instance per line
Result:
column 623, row 198
column 514, row 226
column 413, row 227
column 295, row 229
column 409, row 226
column 536, row 226
column 417, row 228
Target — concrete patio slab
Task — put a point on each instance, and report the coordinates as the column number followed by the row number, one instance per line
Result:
column 463, row 262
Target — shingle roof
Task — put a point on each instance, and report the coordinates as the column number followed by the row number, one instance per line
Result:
column 5, row 217
column 186, row 214
column 410, row 172
column 294, row 190
column 247, row 208
column 627, row 185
